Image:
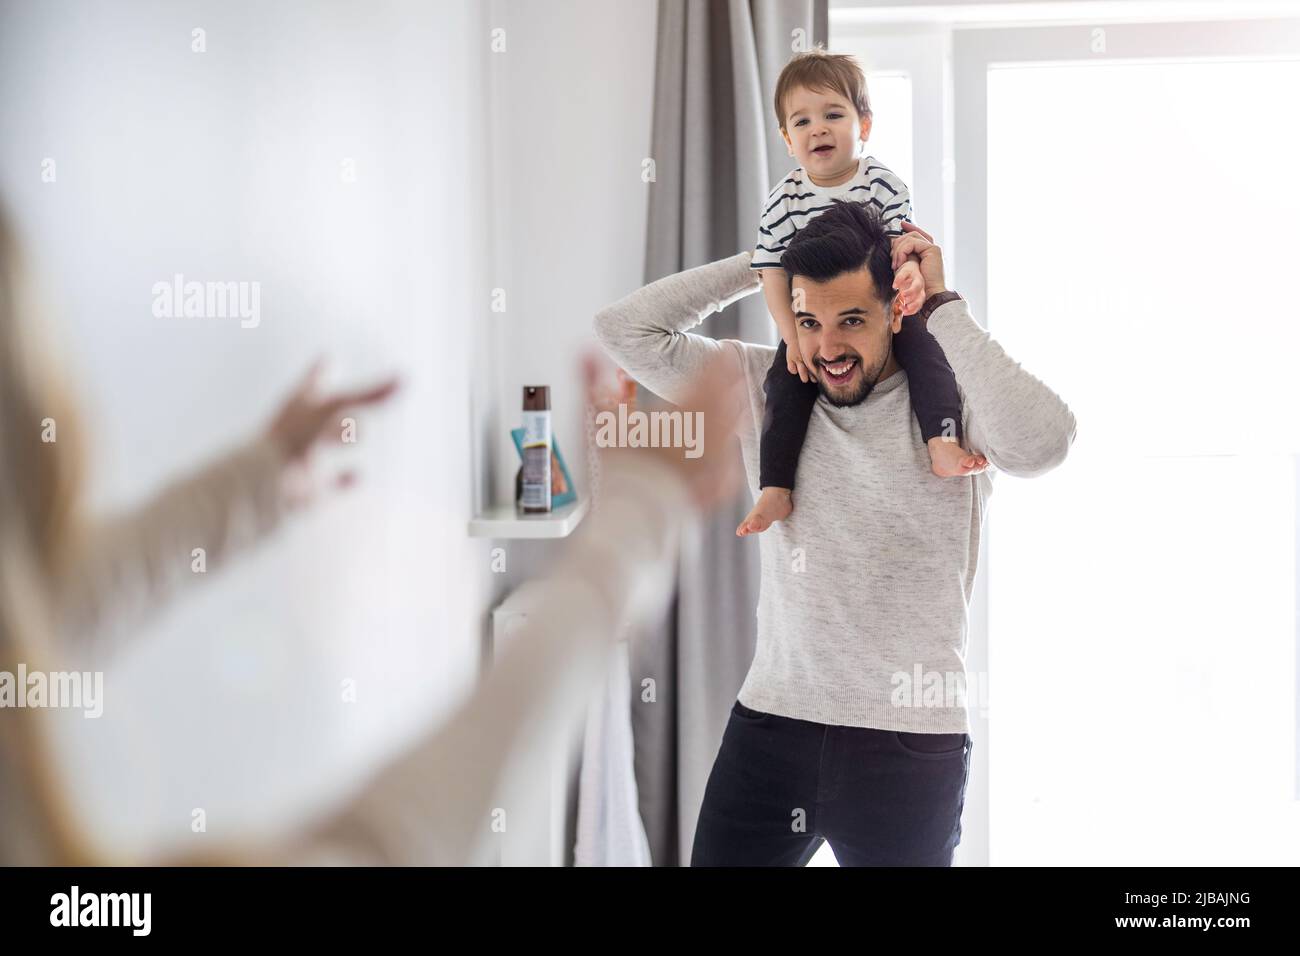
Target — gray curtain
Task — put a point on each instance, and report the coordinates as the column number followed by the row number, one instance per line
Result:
column 717, row 155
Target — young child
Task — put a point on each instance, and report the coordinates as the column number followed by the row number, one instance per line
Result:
column 824, row 115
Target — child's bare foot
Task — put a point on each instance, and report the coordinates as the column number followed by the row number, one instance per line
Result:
column 773, row 504
column 949, row 460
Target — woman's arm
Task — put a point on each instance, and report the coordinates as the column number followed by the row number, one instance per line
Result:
column 115, row 571
column 439, row 803
column 118, row 569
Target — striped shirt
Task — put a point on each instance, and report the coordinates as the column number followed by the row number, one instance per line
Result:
column 798, row 200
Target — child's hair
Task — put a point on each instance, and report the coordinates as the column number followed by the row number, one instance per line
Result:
column 846, row 237
column 819, row 70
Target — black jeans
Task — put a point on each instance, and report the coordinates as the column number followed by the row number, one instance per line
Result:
column 931, row 385
column 880, row 798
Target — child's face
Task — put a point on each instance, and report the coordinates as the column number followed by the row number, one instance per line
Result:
column 822, row 128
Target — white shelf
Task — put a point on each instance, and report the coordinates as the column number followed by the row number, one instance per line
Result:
column 505, row 521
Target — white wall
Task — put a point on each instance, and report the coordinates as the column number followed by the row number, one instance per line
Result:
column 474, row 170
column 572, row 94
column 225, row 165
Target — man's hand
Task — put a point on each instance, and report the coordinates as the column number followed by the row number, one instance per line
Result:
column 916, row 241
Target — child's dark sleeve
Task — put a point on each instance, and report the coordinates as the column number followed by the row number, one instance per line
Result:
column 931, row 383
column 790, row 403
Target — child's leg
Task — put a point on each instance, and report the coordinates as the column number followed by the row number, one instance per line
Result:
column 785, row 424
column 935, row 398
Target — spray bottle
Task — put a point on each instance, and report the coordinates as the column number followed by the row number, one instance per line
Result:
column 536, row 497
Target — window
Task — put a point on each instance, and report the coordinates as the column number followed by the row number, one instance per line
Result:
column 891, row 122
column 1118, row 203
column 1142, row 220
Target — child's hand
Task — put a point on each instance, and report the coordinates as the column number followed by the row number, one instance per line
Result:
column 794, row 360
column 910, row 286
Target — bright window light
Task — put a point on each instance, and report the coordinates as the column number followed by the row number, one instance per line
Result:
column 1144, row 222
column 891, row 122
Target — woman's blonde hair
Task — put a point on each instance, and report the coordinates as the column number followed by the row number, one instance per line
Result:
column 40, row 477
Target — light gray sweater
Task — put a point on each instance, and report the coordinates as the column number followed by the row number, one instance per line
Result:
column 862, row 615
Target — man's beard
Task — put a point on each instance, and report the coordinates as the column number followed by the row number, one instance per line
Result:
column 865, row 384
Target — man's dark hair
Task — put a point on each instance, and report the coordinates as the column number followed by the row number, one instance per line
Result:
column 843, row 239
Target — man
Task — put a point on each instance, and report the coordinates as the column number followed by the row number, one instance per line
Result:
column 868, row 582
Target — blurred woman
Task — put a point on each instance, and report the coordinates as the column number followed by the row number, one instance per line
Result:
column 70, row 585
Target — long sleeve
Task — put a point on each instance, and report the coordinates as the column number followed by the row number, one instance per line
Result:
column 774, row 228
column 121, row 568
column 1021, row 425
column 647, row 332
column 436, row 805
column 890, row 195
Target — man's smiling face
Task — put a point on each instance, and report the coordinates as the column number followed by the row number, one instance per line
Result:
column 846, row 331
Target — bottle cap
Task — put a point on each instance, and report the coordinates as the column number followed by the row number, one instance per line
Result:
column 537, row 398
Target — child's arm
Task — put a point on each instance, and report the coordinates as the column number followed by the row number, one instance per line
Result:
column 774, row 233
column 896, row 208
column 776, row 291
column 936, row 398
